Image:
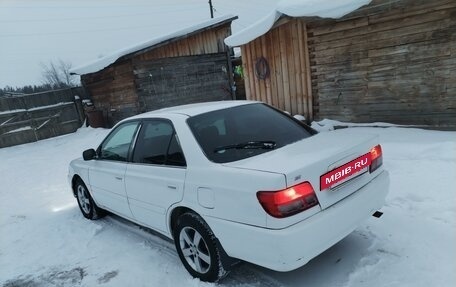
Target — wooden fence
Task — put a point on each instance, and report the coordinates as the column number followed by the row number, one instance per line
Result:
column 32, row 117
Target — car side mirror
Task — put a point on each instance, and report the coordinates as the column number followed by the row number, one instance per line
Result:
column 89, row 154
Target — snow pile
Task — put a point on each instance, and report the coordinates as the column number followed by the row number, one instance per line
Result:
column 329, row 125
column 12, row 111
column 105, row 61
column 300, row 118
column 295, row 8
column 323, row 9
column 45, row 241
column 26, row 128
column 36, row 108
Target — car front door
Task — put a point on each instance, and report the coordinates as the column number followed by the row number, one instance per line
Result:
column 107, row 174
column 155, row 177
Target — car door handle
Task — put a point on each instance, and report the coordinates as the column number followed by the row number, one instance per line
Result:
column 118, row 177
column 172, row 187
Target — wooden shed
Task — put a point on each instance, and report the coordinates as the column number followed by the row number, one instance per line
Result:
column 187, row 66
column 390, row 60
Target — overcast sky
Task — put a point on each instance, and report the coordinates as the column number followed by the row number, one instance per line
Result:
column 79, row 31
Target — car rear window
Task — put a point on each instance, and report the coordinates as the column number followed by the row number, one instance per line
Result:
column 244, row 131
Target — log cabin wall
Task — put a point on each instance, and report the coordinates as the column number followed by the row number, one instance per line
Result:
column 391, row 61
column 113, row 91
column 287, row 83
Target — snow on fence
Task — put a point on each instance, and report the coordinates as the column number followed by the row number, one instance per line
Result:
column 32, row 117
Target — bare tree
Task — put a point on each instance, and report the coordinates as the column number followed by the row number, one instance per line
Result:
column 57, row 74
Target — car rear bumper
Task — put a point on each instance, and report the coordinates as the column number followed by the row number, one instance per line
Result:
column 292, row 247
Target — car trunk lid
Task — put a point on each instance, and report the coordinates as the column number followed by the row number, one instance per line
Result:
column 335, row 163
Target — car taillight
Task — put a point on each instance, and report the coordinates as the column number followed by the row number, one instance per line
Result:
column 286, row 202
column 376, row 157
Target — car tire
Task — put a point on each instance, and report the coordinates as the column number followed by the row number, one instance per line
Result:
column 85, row 201
column 198, row 248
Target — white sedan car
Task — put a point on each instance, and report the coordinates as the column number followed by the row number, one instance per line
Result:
column 231, row 181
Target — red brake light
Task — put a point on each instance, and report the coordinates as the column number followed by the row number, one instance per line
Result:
column 376, row 157
column 286, row 202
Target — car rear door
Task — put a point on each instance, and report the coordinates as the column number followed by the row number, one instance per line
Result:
column 155, row 176
column 107, row 172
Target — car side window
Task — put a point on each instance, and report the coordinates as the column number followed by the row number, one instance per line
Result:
column 117, row 144
column 175, row 154
column 157, row 144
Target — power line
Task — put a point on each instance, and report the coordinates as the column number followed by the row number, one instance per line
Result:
column 246, row 7
column 19, row 54
column 86, row 18
column 102, row 6
column 99, row 17
column 233, row 23
column 88, row 31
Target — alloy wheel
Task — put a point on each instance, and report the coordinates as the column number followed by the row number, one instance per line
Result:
column 195, row 249
column 83, row 199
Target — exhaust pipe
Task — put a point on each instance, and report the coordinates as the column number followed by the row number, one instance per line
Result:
column 377, row 214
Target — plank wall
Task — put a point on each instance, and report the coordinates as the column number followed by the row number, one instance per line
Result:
column 287, row 86
column 206, row 42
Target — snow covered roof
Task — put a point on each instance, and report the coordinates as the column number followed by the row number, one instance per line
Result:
column 295, row 8
column 105, row 61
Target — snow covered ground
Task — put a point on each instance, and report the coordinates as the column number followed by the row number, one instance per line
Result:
column 45, row 241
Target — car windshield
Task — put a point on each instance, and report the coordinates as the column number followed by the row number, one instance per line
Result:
column 244, row 131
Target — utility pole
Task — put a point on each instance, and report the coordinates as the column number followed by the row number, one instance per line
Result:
column 211, row 8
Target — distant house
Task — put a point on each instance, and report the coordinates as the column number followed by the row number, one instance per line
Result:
column 355, row 60
column 187, row 66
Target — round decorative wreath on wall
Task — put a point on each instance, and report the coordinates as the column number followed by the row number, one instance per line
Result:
column 262, row 68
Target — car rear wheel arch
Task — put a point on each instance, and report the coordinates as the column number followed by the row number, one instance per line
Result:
column 175, row 214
